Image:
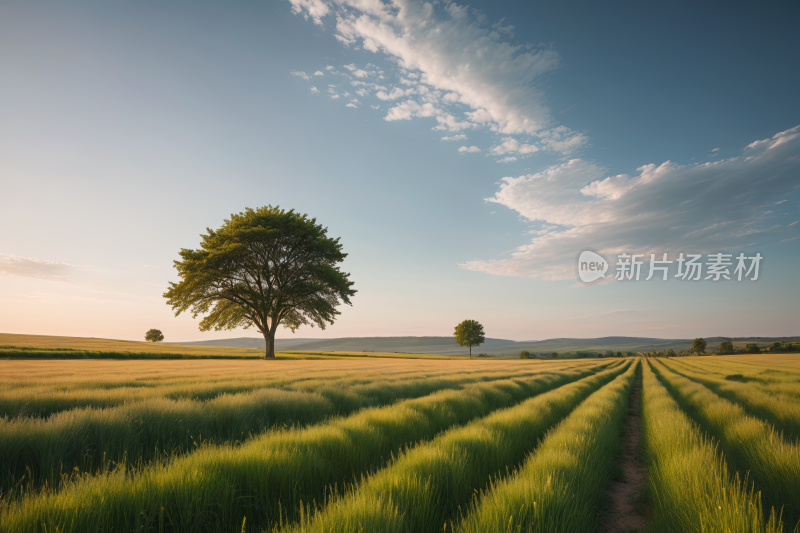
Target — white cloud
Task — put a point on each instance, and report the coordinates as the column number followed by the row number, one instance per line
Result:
column 454, row 53
column 329, row 67
column 395, row 93
column 509, row 159
column 410, row 108
column 459, row 137
column 314, row 90
column 715, row 150
column 316, row 9
column 319, row 73
column 664, row 208
column 334, row 97
column 12, row 265
column 509, row 145
column 471, row 149
column 450, row 58
column 562, row 139
column 301, row 74
column 354, row 106
column 375, row 106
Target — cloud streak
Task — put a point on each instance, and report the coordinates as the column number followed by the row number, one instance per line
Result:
column 11, row 265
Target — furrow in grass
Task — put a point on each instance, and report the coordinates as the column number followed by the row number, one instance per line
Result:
column 86, row 440
column 750, row 445
column 426, row 485
column 783, row 414
column 268, row 477
column 561, row 486
column 689, row 486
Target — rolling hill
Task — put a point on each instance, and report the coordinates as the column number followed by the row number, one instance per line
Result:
column 448, row 345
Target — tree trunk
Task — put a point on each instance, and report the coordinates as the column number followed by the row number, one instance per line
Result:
column 269, row 340
column 470, row 352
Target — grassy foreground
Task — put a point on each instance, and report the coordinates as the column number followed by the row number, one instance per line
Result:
column 391, row 444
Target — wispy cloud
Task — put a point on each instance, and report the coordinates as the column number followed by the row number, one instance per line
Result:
column 300, row 74
column 665, row 208
column 451, row 66
column 471, row 149
column 27, row 267
column 509, row 159
column 459, row 137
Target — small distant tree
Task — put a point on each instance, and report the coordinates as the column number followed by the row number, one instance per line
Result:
column 608, row 353
column 469, row 333
column 752, row 348
column 699, row 345
column 776, row 347
column 554, row 355
column 671, row 353
column 619, row 354
column 725, row 348
column 154, row 335
column 524, row 354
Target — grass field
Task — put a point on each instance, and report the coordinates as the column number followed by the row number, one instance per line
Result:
column 390, row 444
column 53, row 347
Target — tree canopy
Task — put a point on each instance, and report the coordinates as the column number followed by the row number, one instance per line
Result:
column 264, row 267
column 469, row 333
column 154, row 335
column 699, row 345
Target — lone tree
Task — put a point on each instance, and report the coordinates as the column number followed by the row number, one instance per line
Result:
column 264, row 268
column 154, row 335
column 524, row 354
column 699, row 345
column 725, row 348
column 469, row 333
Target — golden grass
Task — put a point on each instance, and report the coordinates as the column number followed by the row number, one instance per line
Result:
column 40, row 372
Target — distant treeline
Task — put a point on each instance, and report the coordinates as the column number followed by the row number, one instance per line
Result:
column 727, row 348
column 579, row 354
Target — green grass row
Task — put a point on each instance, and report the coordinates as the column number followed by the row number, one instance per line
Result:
column 780, row 383
column 689, row 486
column 781, row 412
column 34, row 451
column 424, row 488
column 266, row 478
column 562, row 485
column 749, row 444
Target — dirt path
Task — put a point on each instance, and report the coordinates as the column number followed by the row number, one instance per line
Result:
column 622, row 516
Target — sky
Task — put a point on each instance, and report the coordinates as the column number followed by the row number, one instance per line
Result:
column 465, row 155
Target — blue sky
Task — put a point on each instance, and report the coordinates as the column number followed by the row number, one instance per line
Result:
column 465, row 154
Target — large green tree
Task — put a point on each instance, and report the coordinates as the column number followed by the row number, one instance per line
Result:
column 264, row 267
column 469, row 333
